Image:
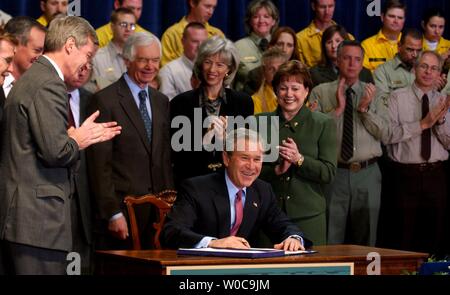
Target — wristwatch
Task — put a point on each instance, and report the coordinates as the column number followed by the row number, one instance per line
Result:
column 300, row 160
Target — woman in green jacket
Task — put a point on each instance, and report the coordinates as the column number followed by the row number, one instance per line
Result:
column 307, row 152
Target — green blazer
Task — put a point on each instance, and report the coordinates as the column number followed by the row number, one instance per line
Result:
column 300, row 191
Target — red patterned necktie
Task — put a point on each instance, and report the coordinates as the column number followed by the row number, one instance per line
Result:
column 238, row 208
column 70, row 114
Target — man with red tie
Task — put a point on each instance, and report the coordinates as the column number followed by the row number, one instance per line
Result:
column 418, row 140
column 227, row 210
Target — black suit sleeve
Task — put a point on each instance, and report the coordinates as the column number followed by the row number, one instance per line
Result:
column 177, row 231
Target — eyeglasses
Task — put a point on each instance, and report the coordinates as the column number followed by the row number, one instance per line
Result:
column 426, row 67
column 125, row 25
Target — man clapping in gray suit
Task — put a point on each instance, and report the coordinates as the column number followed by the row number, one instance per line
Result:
column 39, row 153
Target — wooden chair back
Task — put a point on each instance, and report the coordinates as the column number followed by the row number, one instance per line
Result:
column 163, row 201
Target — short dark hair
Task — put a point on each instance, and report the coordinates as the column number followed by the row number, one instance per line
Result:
column 411, row 32
column 432, row 12
column 390, row 4
column 120, row 11
column 20, row 27
column 350, row 43
column 293, row 68
column 193, row 25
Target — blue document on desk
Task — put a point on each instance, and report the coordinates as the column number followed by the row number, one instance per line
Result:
column 240, row 253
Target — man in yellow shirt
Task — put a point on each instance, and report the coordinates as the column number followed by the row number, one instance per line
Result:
column 199, row 11
column 384, row 46
column 105, row 33
column 309, row 39
column 51, row 8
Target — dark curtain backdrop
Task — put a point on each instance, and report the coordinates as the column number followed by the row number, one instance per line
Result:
column 159, row 14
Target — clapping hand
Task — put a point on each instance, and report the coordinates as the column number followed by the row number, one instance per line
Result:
column 340, row 97
column 369, row 94
column 289, row 155
column 217, row 128
column 90, row 132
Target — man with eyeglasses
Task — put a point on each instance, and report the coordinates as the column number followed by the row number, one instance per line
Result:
column 139, row 161
column 108, row 62
column 105, row 32
column 417, row 143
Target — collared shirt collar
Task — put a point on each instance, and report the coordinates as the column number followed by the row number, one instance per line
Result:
column 256, row 39
column 183, row 21
column 419, row 92
column 112, row 48
column 313, row 30
column 58, row 70
column 232, row 189
column 8, row 83
column 398, row 63
column 135, row 89
column 295, row 122
column 75, row 106
column 356, row 87
column 189, row 63
column 381, row 36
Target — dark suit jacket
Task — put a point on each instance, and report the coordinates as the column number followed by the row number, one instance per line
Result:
column 202, row 209
column 129, row 164
column 36, row 160
column 323, row 74
column 2, row 102
column 194, row 163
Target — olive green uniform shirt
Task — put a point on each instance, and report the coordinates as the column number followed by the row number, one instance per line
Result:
column 300, row 190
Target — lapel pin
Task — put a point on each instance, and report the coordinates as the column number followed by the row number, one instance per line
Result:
column 255, row 205
column 295, row 124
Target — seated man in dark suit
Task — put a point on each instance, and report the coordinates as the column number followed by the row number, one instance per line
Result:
column 227, row 210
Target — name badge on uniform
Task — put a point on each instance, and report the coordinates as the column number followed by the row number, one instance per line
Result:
column 377, row 59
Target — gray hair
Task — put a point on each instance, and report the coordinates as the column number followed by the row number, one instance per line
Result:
column 63, row 28
column 273, row 53
column 426, row 52
column 242, row 133
column 217, row 45
column 253, row 8
column 138, row 39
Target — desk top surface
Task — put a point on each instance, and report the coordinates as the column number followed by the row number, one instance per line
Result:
column 332, row 253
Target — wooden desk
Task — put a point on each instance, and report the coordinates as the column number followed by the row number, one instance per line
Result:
column 157, row 261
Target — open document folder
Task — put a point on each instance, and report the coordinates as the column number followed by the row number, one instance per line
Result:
column 242, row 253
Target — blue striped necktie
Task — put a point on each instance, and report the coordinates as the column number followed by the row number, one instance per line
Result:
column 144, row 114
